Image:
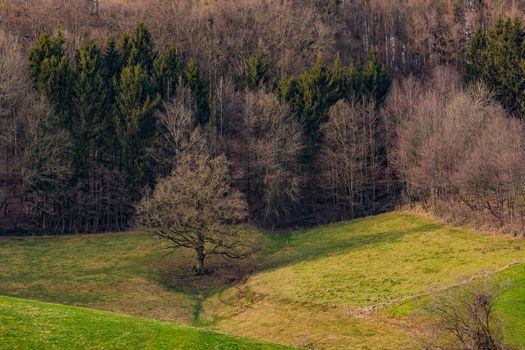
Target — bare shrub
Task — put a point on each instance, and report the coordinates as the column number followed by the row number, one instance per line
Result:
column 466, row 319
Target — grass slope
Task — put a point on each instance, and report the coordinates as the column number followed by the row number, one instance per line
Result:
column 345, row 285
column 349, row 271
column 27, row 324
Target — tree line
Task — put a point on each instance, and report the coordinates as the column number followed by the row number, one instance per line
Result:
column 92, row 125
column 115, row 107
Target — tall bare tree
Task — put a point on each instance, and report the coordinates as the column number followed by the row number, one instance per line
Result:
column 350, row 160
column 274, row 143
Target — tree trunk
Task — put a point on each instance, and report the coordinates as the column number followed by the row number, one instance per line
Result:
column 201, row 270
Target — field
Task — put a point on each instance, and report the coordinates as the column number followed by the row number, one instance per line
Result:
column 354, row 284
column 53, row 326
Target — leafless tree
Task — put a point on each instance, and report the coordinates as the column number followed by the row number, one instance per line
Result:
column 467, row 319
column 196, row 208
column 273, row 146
column 350, row 160
column 457, row 149
column 177, row 130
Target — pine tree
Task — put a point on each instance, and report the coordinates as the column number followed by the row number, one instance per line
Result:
column 310, row 97
column 368, row 81
column 91, row 104
column 197, row 83
column 124, row 47
column 504, row 60
column 376, row 79
column 112, row 59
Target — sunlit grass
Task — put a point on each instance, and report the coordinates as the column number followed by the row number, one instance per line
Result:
column 27, row 324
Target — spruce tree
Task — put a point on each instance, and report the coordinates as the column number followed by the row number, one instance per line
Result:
column 474, row 57
column 376, row 79
column 52, row 75
column 91, row 104
column 498, row 59
column 256, row 72
column 167, row 70
column 197, row 83
column 142, row 48
column 112, row 59
column 136, row 100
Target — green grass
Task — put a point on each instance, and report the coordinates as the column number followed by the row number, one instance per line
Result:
column 27, row 324
column 379, row 260
column 352, row 284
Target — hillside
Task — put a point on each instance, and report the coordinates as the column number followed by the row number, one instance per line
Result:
column 354, row 283
column 54, row 326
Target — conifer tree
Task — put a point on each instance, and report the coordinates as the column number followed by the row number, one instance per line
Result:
column 52, row 74
column 375, row 79
column 112, row 59
column 310, row 97
column 91, row 105
column 124, row 47
column 256, row 72
column 197, row 83
column 498, row 59
column 136, row 100
column 167, row 70
column 474, row 57
column 142, row 49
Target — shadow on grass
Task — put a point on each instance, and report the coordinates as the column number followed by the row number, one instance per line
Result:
column 300, row 250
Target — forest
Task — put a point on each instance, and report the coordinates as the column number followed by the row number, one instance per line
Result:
column 356, row 109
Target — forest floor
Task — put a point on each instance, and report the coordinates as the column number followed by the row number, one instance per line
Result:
column 356, row 284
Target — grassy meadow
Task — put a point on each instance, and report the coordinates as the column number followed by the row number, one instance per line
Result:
column 28, row 324
column 353, row 284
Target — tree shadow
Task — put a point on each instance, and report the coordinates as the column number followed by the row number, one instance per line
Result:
column 300, row 250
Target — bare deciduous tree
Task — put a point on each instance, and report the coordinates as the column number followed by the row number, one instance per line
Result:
column 459, row 154
column 350, row 160
column 196, row 208
column 273, row 139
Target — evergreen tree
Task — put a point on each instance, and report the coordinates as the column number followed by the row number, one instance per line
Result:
column 52, row 74
column 474, row 57
column 112, row 59
column 498, row 58
column 167, row 70
column 256, row 72
column 375, row 79
column 504, row 62
column 310, row 97
column 136, row 100
column 368, row 81
column 197, row 83
column 142, row 49
column 124, row 47
column 91, row 104
column 339, row 77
